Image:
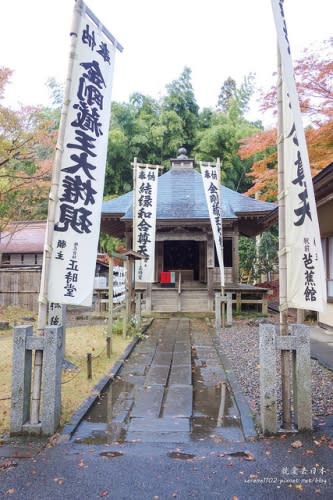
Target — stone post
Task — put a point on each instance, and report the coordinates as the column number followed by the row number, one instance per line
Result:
column 21, row 379
column 23, row 346
column 229, row 309
column 52, row 365
column 138, row 309
column 218, row 311
column 302, row 378
column 268, row 403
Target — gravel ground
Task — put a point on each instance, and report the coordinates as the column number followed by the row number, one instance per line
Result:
column 240, row 344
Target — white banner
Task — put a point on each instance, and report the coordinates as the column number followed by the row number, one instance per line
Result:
column 306, row 284
column 144, row 220
column 211, row 180
column 119, row 284
column 81, row 183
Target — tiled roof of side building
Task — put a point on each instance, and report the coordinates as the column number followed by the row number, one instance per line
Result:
column 23, row 237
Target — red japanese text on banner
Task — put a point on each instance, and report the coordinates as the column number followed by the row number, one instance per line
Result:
column 144, row 220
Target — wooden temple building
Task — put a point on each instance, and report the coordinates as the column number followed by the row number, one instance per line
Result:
column 185, row 244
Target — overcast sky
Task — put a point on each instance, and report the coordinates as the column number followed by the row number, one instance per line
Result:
column 215, row 38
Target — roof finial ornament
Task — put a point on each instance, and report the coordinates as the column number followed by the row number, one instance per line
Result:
column 182, row 154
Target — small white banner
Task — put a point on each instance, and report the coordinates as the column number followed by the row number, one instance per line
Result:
column 144, row 219
column 306, row 284
column 211, row 180
column 119, row 284
column 81, row 182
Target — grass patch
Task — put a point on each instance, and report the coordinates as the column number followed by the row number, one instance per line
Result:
column 76, row 387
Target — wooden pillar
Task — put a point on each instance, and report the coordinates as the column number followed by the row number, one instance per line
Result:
column 235, row 255
column 238, row 302
column 148, row 297
column 210, row 266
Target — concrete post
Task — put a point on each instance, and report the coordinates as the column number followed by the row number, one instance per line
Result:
column 52, row 365
column 217, row 311
column 302, row 378
column 229, row 309
column 21, row 379
column 24, row 345
column 138, row 309
column 267, row 353
column 148, row 297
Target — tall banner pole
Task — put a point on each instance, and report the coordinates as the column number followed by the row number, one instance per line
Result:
column 43, row 302
column 285, row 355
column 76, row 194
column 218, row 169
column 134, row 220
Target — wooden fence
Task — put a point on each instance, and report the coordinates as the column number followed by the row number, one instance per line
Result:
column 20, row 287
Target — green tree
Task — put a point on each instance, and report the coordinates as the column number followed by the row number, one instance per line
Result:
column 180, row 98
column 227, row 94
column 226, row 127
column 258, row 257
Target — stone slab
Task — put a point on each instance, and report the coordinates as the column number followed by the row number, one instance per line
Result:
column 158, row 437
column 180, row 375
column 157, row 375
column 178, row 401
column 134, row 369
column 148, row 401
column 134, row 379
column 142, row 358
column 165, row 347
column 182, row 345
column 182, row 358
column 162, row 358
column 167, row 424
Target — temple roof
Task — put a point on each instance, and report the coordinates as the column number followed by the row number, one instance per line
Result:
column 180, row 196
column 23, row 237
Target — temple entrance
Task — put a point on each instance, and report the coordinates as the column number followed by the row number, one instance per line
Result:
column 182, row 256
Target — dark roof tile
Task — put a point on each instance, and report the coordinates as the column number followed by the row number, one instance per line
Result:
column 181, row 196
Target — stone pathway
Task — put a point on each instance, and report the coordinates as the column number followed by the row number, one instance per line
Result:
column 172, row 388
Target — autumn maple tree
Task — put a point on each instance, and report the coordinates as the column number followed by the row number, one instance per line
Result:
column 27, row 138
column 313, row 73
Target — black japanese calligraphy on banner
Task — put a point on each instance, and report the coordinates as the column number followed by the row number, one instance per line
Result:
column 211, row 180
column 306, row 285
column 144, row 219
column 82, row 171
column 119, row 284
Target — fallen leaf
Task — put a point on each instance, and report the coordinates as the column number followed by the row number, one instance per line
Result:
column 249, row 456
column 297, row 444
column 309, row 452
column 59, row 480
column 10, row 491
column 299, row 487
column 104, row 493
column 7, row 464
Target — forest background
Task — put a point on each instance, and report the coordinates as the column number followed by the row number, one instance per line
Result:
column 153, row 130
